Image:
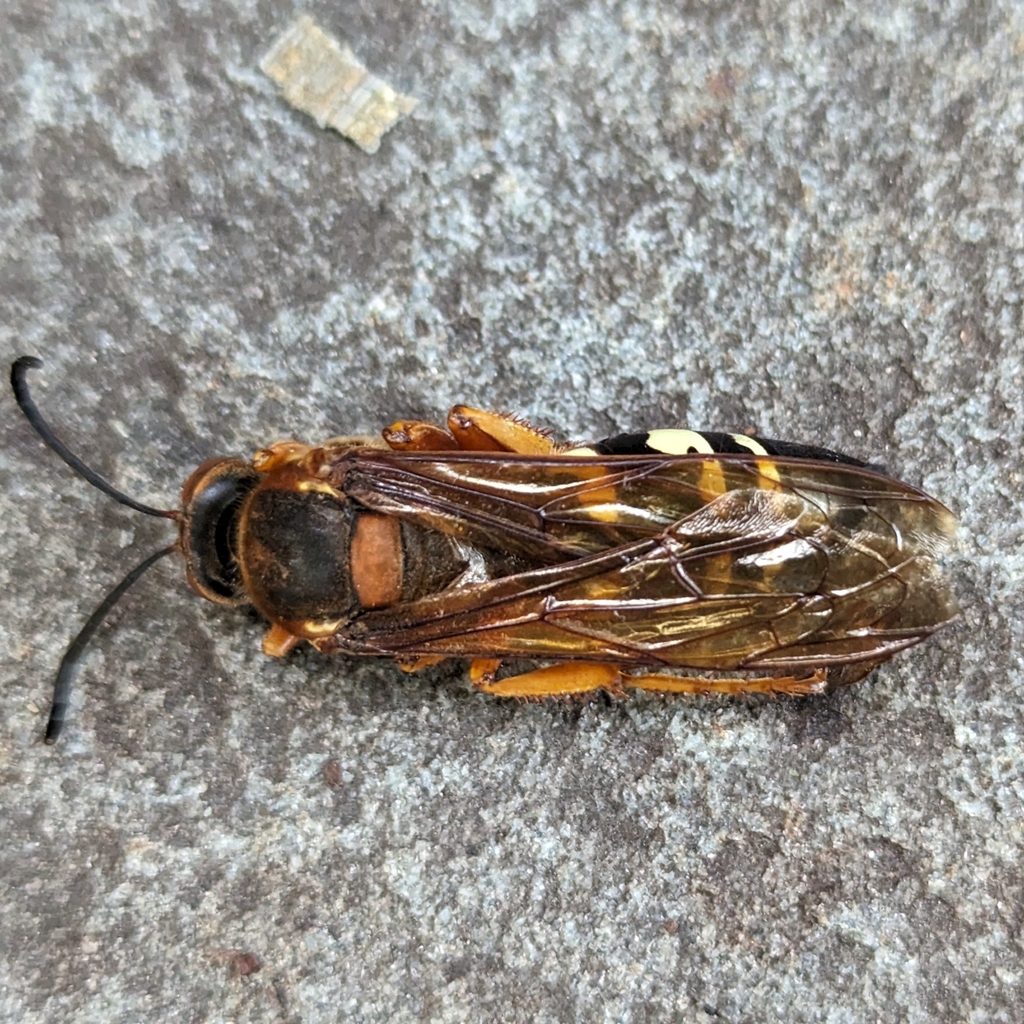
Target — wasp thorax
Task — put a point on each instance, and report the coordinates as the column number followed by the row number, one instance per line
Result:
column 212, row 501
column 294, row 556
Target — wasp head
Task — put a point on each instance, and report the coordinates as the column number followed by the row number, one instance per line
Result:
column 212, row 501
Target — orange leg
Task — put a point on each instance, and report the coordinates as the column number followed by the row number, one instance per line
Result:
column 415, row 664
column 416, row 436
column 574, row 677
column 279, row 454
column 555, row 680
column 278, row 641
column 793, row 686
column 479, row 431
column 471, row 430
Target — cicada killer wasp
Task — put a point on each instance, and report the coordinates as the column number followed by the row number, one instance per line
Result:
column 670, row 561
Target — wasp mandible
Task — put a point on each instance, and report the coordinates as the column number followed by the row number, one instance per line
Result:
column 670, row 561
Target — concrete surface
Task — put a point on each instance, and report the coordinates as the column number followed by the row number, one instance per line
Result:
column 806, row 218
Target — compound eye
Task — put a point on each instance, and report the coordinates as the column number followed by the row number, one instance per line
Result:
column 209, row 530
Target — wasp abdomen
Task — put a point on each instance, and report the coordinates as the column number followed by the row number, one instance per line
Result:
column 697, row 442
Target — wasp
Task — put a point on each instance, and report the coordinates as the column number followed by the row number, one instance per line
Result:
column 670, row 561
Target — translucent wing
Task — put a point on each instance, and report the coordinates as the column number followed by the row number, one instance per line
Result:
column 708, row 562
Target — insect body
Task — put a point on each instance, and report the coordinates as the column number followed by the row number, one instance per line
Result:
column 672, row 561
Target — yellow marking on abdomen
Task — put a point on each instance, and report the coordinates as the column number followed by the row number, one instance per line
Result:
column 679, row 442
column 766, row 467
column 749, row 443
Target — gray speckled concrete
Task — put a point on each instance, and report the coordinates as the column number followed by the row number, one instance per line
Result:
column 806, row 218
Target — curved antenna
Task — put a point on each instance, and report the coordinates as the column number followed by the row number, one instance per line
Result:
column 19, row 373
column 72, row 660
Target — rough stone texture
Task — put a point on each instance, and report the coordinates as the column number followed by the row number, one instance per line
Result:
column 802, row 217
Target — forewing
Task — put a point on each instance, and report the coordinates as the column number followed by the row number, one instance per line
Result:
column 708, row 562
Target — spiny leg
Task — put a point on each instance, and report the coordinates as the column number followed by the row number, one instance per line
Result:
column 472, row 430
column 480, row 431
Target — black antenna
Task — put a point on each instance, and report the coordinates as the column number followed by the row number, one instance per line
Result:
column 72, row 660
column 19, row 372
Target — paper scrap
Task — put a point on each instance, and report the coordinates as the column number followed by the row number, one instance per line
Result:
column 322, row 77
